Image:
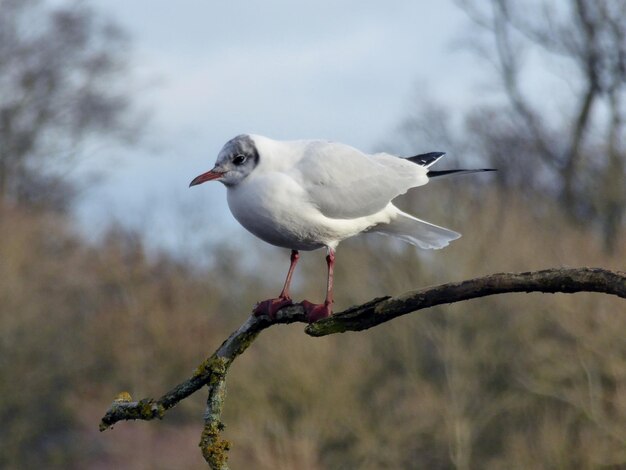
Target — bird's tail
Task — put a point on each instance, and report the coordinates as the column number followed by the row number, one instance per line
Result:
column 417, row 232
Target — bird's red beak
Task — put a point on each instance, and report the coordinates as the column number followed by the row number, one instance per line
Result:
column 208, row 176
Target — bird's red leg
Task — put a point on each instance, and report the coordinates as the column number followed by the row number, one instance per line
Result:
column 271, row 306
column 316, row 312
column 295, row 256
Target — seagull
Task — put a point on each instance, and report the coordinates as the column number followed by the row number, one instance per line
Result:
column 309, row 194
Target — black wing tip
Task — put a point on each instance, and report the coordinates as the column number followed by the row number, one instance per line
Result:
column 426, row 159
column 434, row 173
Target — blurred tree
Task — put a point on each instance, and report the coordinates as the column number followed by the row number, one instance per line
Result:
column 578, row 152
column 59, row 67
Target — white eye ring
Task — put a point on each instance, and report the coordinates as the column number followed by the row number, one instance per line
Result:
column 239, row 159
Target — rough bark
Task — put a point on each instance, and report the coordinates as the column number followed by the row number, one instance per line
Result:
column 213, row 371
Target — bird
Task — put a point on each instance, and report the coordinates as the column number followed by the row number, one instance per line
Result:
column 304, row 195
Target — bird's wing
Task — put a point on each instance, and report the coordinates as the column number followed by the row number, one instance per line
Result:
column 344, row 183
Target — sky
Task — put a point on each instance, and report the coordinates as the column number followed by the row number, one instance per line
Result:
column 206, row 71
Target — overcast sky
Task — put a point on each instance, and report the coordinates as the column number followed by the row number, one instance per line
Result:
column 344, row 71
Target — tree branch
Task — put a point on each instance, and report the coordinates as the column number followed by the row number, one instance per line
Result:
column 212, row 372
column 382, row 310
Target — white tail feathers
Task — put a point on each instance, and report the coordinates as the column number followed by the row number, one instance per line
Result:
column 417, row 232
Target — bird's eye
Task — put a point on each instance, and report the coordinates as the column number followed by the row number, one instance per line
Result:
column 239, row 159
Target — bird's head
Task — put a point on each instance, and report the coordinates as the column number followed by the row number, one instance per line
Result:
column 235, row 162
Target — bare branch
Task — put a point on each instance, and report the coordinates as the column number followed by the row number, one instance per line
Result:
column 550, row 281
column 213, row 371
column 205, row 374
column 510, row 71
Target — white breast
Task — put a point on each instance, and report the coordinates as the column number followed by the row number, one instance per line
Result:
column 276, row 209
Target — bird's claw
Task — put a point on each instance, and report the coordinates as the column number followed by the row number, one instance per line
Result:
column 314, row 312
column 270, row 307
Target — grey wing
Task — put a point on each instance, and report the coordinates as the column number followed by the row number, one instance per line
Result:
column 345, row 183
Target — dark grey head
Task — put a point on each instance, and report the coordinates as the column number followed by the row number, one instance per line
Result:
column 236, row 160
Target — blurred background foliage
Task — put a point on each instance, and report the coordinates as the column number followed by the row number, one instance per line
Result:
column 519, row 381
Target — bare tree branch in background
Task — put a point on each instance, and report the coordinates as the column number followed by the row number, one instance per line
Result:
column 583, row 149
column 59, row 72
column 213, row 371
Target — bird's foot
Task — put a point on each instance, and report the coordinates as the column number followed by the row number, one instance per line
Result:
column 269, row 307
column 314, row 312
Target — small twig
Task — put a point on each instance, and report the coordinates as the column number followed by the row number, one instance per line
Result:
column 212, row 372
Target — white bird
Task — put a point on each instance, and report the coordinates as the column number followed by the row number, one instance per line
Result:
column 310, row 194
